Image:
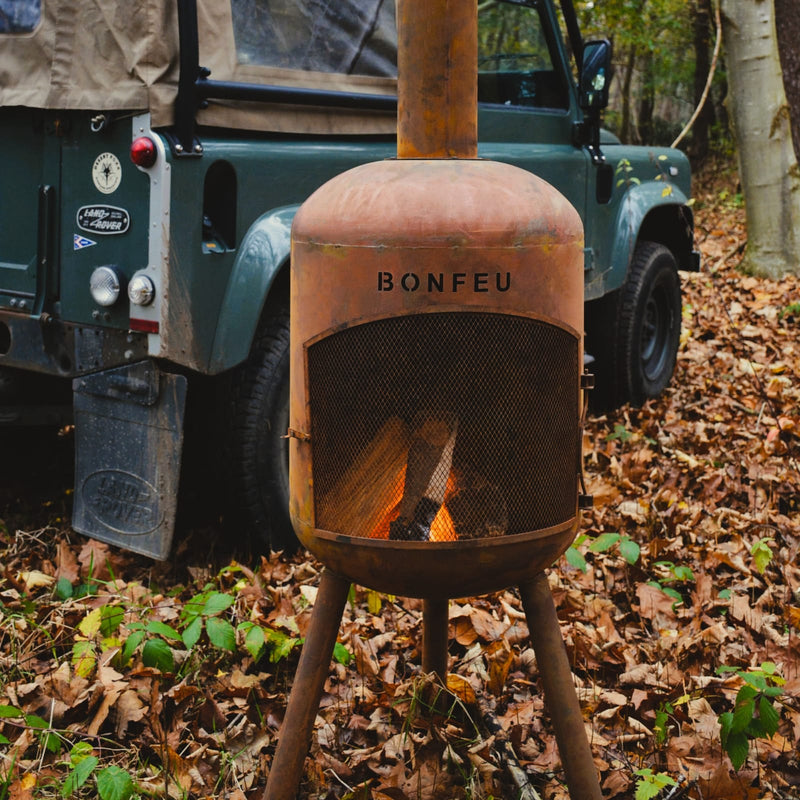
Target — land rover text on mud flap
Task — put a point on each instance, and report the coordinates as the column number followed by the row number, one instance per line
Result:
column 155, row 155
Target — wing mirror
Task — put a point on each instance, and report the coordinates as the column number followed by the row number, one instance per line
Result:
column 595, row 75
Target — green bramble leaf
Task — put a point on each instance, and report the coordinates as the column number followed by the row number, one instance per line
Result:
column 157, row 653
column 737, row 748
column 111, row 617
column 629, row 550
column 254, row 640
column 79, row 775
column 162, row 629
column 575, row 559
column 605, row 541
column 129, row 648
column 216, row 603
column 63, row 589
column 113, row 783
column 192, row 632
column 651, row 783
column 221, row 633
column 769, row 716
column 341, row 654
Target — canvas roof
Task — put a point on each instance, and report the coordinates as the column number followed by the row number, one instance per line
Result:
column 107, row 55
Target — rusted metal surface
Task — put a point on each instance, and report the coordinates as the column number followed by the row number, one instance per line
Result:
column 559, row 691
column 434, row 637
column 437, row 91
column 440, row 569
column 496, row 240
column 312, row 670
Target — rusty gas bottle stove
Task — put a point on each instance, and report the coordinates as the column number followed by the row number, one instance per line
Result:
column 436, row 345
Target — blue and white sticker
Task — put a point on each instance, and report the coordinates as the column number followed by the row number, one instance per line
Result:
column 79, row 242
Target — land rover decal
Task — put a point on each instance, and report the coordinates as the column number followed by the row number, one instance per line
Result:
column 103, row 219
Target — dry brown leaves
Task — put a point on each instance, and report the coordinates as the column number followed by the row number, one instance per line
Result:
column 705, row 481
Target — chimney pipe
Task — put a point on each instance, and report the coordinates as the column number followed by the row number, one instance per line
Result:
column 437, row 92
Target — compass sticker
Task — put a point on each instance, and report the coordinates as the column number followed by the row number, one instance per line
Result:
column 106, row 173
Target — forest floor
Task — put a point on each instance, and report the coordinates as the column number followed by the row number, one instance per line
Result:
column 679, row 605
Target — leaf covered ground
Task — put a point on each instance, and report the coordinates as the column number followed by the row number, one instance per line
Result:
column 679, row 605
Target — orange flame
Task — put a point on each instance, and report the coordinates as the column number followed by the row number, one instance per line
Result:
column 442, row 528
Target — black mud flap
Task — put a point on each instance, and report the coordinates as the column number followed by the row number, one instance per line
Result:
column 128, row 442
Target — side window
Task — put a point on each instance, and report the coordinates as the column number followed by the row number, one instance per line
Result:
column 515, row 66
column 19, row 16
column 350, row 37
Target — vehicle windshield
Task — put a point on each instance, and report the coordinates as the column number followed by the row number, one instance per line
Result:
column 359, row 37
column 19, row 16
column 515, row 58
column 349, row 37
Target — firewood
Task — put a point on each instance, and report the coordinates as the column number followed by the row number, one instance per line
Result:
column 430, row 458
column 370, row 487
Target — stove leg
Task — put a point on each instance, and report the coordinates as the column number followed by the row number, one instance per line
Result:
column 315, row 658
column 559, row 692
column 434, row 637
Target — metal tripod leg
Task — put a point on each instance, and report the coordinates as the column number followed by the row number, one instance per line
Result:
column 559, row 692
column 315, row 658
column 434, row 637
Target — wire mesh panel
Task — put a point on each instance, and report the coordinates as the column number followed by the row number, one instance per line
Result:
column 444, row 426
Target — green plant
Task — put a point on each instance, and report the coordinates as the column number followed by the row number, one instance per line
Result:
column 679, row 573
column 98, row 630
column 46, row 736
column 792, row 310
column 762, row 553
column 621, row 433
column 663, row 714
column 82, row 763
column 154, row 637
column 204, row 612
column 650, row 783
column 627, row 547
column 754, row 714
column 114, row 783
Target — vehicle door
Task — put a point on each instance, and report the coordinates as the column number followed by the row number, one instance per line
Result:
column 527, row 102
column 30, row 173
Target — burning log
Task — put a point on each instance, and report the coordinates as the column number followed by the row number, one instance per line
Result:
column 430, row 458
column 358, row 502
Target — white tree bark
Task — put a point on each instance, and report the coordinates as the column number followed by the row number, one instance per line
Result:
column 767, row 162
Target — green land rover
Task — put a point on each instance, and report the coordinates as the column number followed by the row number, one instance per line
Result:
column 157, row 153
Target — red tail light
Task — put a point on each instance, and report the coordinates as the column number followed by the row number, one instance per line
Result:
column 143, row 152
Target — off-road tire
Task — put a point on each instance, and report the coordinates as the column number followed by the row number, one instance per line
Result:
column 634, row 332
column 255, row 449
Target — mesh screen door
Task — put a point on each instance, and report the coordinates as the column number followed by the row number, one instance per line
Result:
column 444, row 426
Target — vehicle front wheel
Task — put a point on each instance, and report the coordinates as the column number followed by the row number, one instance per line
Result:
column 634, row 332
column 649, row 323
column 256, row 449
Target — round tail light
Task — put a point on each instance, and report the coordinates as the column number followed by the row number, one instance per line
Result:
column 143, row 152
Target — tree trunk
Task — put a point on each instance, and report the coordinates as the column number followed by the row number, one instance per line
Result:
column 767, row 163
column 787, row 23
column 625, row 126
column 647, row 100
column 701, row 24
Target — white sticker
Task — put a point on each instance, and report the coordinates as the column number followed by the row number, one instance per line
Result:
column 107, row 173
column 79, row 242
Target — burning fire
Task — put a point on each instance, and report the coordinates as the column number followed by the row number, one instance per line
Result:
column 442, row 528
